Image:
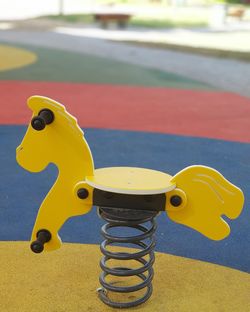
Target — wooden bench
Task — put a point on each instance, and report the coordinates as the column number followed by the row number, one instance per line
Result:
column 236, row 12
column 121, row 19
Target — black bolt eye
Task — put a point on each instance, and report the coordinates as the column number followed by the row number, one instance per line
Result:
column 45, row 117
column 38, row 123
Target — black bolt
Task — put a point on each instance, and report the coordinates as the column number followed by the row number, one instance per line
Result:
column 36, row 247
column 43, row 236
column 38, row 123
column 175, row 200
column 82, row 193
column 47, row 115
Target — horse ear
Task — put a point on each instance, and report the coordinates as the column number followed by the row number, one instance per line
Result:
column 203, row 195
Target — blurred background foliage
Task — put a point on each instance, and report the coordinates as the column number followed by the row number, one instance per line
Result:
column 163, row 13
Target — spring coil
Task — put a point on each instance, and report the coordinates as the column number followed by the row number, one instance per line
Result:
column 133, row 219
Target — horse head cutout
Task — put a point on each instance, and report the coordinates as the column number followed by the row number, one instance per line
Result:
column 44, row 144
column 67, row 148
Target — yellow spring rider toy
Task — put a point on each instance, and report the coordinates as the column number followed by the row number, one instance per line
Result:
column 126, row 197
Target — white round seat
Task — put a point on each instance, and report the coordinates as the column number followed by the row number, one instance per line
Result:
column 131, row 180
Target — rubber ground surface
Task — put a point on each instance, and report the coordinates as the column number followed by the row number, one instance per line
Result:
column 199, row 113
column 58, row 65
column 131, row 116
column 67, row 280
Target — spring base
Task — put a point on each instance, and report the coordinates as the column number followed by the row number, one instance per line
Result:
column 123, row 267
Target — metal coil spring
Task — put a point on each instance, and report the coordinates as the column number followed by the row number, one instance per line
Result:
column 145, row 242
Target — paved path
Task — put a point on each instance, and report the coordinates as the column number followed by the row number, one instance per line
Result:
column 229, row 38
column 226, row 74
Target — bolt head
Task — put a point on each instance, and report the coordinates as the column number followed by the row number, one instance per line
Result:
column 175, row 200
column 38, row 123
column 82, row 193
column 36, row 247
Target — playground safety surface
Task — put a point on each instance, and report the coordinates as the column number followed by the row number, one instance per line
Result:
column 67, row 280
column 131, row 116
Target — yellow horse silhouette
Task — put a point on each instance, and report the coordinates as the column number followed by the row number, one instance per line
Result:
column 197, row 196
column 67, row 149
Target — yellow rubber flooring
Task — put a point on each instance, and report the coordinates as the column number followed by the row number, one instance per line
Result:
column 11, row 57
column 66, row 281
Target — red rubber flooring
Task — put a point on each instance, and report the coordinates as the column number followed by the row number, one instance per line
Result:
column 197, row 113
